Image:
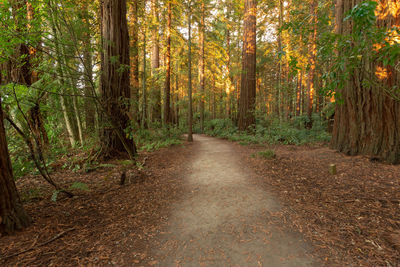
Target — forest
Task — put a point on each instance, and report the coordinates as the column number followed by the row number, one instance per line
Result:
column 189, row 132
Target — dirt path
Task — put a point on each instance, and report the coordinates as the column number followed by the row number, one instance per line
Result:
column 224, row 218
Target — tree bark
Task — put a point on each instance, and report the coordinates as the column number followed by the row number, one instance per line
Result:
column 190, row 109
column 201, row 66
column 134, row 61
column 167, row 88
column 248, row 81
column 368, row 121
column 12, row 214
column 155, row 63
column 311, row 62
column 90, row 111
column 115, row 80
column 144, row 85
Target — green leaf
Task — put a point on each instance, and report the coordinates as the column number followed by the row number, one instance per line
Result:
column 79, row 186
column 55, row 195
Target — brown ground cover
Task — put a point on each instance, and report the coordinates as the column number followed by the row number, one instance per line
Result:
column 352, row 218
column 97, row 226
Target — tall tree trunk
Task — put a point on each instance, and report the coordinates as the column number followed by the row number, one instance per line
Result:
column 78, row 118
column 144, row 87
column 115, row 80
column 89, row 91
column 177, row 93
column 279, row 79
column 201, row 66
column 155, row 63
column 12, row 214
column 167, row 88
column 63, row 98
column 311, row 62
column 134, row 61
column 368, row 121
column 248, row 81
column 190, row 109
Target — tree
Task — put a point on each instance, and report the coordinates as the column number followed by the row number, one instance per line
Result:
column 368, row 119
column 190, row 109
column 12, row 214
column 134, row 60
column 248, row 82
column 311, row 61
column 167, row 88
column 201, row 65
column 155, row 62
column 115, row 86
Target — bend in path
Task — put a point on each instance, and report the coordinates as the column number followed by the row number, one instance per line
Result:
column 224, row 218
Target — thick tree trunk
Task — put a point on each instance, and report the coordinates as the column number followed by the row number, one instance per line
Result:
column 201, row 66
column 115, row 81
column 368, row 121
column 155, row 63
column 12, row 214
column 134, row 61
column 248, row 81
column 167, row 88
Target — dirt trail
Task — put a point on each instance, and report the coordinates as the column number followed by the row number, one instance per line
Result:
column 224, row 218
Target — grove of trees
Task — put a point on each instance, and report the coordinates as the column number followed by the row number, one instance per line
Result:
column 107, row 74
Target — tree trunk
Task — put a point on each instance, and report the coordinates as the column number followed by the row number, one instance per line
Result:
column 144, row 87
column 177, row 94
column 167, row 88
column 155, row 63
column 115, row 80
column 248, row 81
column 201, row 66
column 12, row 214
column 368, row 121
column 134, row 62
column 90, row 111
column 63, row 99
column 190, row 109
column 311, row 62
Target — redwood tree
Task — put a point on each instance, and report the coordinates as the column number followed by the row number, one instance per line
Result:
column 115, row 80
column 201, row 65
column 368, row 120
column 12, row 214
column 248, row 81
column 134, row 60
column 167, row 88
column 155, row 63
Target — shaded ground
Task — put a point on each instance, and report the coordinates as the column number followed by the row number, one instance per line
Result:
column 352, row 218
column 214, row 203
column 107, row 222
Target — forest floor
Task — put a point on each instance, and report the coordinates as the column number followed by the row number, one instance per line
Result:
column 217, row 203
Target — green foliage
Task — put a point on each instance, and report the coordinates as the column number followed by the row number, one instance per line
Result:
column 75, row 186
column 153, row 139
column 272, row 131
column 267, row 154
column 79, row 186
column 352, row 52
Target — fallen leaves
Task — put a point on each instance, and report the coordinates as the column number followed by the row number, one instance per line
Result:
column 352, row 217
column 110, row 221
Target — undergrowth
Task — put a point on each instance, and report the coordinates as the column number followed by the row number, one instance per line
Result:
column 272, row 131
column 76, row 159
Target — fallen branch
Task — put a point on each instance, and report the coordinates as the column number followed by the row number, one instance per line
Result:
column 40, row 245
